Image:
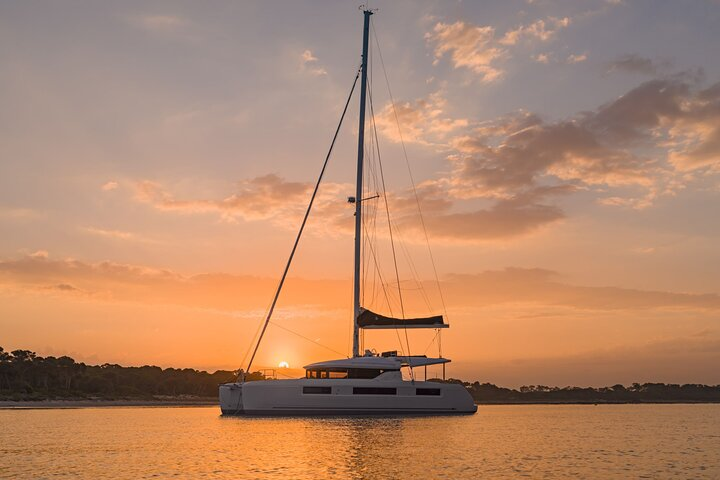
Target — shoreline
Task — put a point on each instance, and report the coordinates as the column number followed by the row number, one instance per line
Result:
column 205, row 402
column 87, row 403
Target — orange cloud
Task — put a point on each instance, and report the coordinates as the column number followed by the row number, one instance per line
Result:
column 538, row 30
column 208, row 320
column 108, row 281
column 620, row 144
column 477, row 48
column 423, row 121
column 260, row 198
column 469, row 46
column 309, row 63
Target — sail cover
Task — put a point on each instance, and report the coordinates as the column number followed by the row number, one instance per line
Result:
column 368, row 319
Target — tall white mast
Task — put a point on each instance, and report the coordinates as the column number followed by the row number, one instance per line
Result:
column 359, row 188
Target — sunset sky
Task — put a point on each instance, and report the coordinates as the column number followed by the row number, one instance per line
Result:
column 156, row 159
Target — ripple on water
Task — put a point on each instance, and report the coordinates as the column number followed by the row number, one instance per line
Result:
column 549, row 441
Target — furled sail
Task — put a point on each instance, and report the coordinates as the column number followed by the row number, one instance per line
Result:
column 368, row 319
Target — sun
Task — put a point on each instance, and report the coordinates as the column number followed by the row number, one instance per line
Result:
column 283, row 364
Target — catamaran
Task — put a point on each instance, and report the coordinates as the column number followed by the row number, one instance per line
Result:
column 366, row 383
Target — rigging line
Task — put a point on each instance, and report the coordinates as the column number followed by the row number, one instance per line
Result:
column 392, row 242
column 302, row 226
column 387, row 208
column 247, row 352
column 257, row 331
column 382, row 282
column 385, row 292
column 407, row 163
column 413, row 269
column 437, row 331
column 308, row 339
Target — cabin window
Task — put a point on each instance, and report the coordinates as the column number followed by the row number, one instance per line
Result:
column 374, row 391
column 317, row 390
column 366, row 373
column 354, row 373
column 427, row 391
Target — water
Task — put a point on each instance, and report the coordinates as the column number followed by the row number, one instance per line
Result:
column 543, row 441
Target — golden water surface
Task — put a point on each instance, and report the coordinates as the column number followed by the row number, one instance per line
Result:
column 542, row 441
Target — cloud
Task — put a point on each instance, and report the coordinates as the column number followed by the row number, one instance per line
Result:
column 422, row 121
column 17, row 213
column 109, row 281
column 309, row 63
column 541, row 286
column 268, row 197
column 683, row 359
column 695, row 133
column 113, row 282
column 117, row 235
column 108, row 186
column 633, row 63
column 576, row 58
column 159, row 23
column 469, row 46
column 510, row 217
column 478, row 49
column 565, row 150
column 539, row 30
column 519, row 163
column 647, row 139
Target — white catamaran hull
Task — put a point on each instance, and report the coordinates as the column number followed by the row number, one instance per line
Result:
column 344, row 397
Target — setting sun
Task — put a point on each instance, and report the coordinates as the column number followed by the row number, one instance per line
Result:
column 283, row 364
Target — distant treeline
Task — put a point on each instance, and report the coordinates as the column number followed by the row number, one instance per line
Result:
column 487, row 393
column 27, row 376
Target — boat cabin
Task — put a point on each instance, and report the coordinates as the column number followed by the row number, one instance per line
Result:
column 368, row 366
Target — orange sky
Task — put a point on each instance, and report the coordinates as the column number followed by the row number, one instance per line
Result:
column 155, row 163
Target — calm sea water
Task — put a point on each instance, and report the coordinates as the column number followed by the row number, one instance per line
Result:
column 544, row 441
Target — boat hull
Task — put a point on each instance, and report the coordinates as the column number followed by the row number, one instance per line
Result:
column 344, row 397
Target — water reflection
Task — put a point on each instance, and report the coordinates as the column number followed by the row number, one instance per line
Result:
column 657, row 441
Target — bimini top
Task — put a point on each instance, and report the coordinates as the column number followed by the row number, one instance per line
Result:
column 379, row 363
column 368, row 319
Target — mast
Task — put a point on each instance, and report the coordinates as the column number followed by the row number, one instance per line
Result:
column 359, row 187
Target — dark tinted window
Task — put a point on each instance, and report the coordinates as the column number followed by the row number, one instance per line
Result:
column 427, row 391
column 363, row 373
column 374, row 391
column 317, row 390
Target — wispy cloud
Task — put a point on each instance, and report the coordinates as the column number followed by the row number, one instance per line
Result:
column 606, row 148
column 268, row 197
column 633, row 63
column 159, row 23
column 111, row 185
column 117, row 235
column 19, row 213
column 469, row 47
column 309, row 63
column 423, row 121
column 576, row 58
column 478, row 49
column 540, row 30
column 137, row 283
